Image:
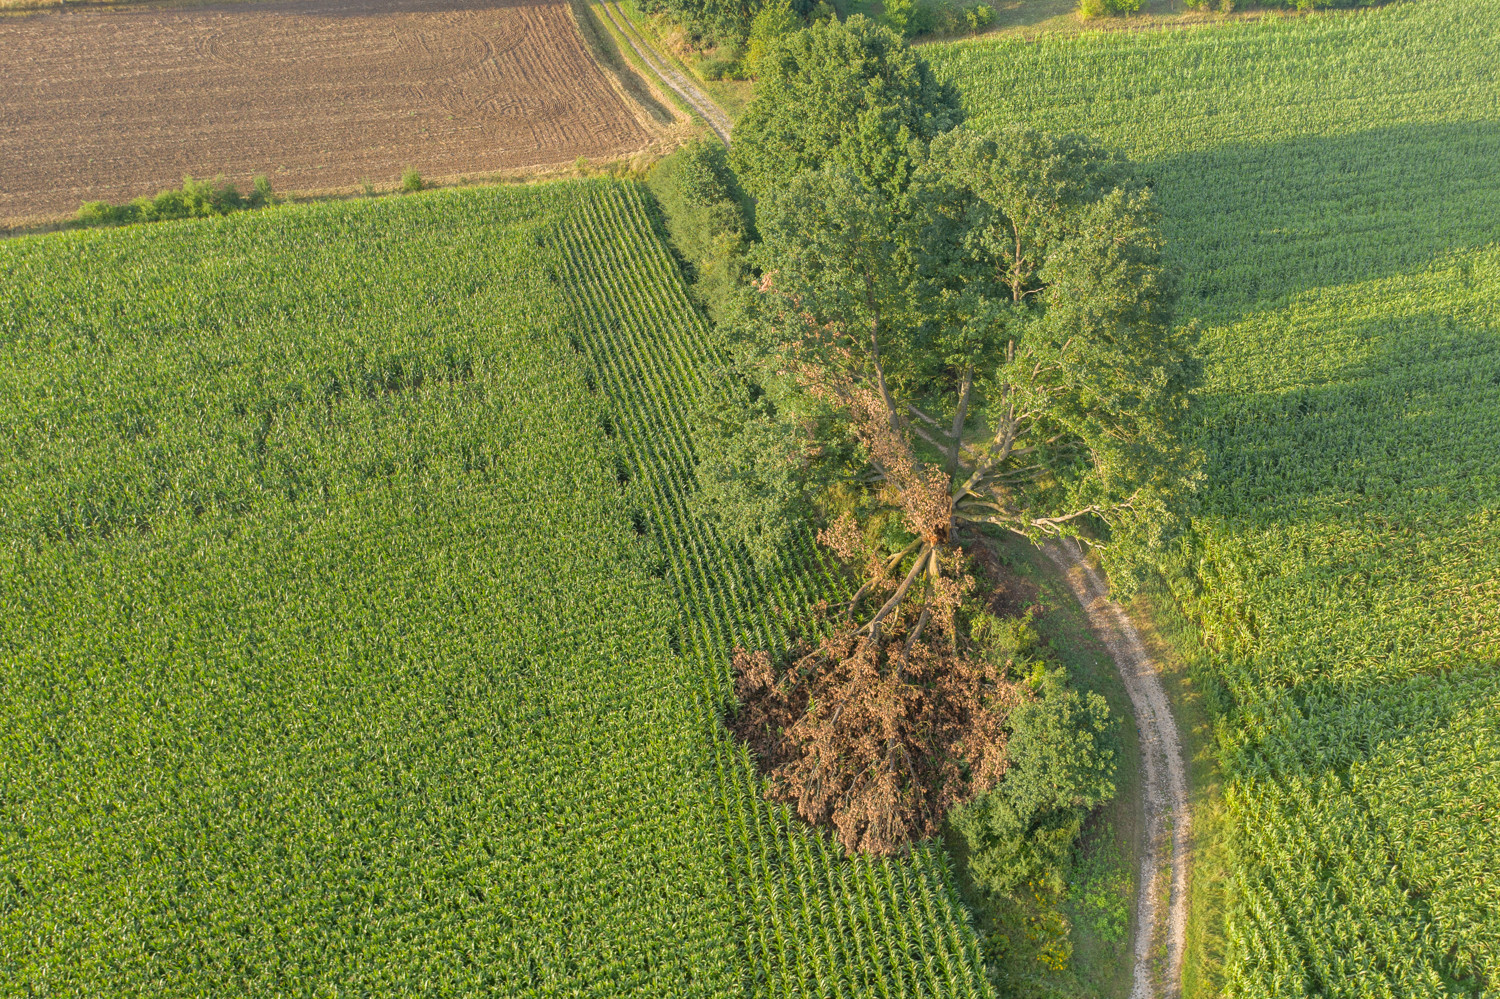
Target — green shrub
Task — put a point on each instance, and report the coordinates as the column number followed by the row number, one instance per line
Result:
column 1099, row 888
column 850, row 94
column 937, row 17
column 195, row 199
column 706, row 217
column 903, row 17
column 411, row 182
column 1061, row 768
column 260, row 193
column 103, row 213
column 1090, row 9
column 776, row 20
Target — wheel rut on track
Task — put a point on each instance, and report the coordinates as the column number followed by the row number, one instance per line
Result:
column 1161, row 903
column 690, row 92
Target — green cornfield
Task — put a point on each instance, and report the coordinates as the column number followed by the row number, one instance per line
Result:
column 357, row 639
column 1331, row 192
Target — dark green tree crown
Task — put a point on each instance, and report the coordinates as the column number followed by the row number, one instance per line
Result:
column 852, row 94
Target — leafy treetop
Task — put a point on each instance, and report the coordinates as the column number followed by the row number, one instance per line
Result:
column 998, row 344
column 851, row 94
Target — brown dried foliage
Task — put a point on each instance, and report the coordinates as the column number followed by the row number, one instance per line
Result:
column 884, row 726
column 922, row 494
column 875, row 738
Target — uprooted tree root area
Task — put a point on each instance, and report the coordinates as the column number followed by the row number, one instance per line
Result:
column 878, row 735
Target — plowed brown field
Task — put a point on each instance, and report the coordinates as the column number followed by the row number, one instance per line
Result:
column 316, row 94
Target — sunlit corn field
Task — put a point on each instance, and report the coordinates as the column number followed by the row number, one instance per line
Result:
column 357, row 639
column 1331, row 192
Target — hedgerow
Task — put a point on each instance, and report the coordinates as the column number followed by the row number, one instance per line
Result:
column 1327, row 187
column 707, row 218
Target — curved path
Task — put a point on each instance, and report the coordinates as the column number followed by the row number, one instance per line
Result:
column 685, row 88
column 1161, row 905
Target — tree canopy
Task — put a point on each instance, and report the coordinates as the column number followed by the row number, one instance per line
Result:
column 989, row 346
column 1000, row 346
column 720, row 20
column 851, row 94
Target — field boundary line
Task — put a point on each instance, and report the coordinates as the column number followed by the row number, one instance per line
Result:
column 1160, row 923
column 700, row 102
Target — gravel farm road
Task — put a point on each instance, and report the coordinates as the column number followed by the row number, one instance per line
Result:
column 1161, row 905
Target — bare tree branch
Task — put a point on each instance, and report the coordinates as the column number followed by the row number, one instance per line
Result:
column 872, row 626
column 889, row 564
column 921, row 415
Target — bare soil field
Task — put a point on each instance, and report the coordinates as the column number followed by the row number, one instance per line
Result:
column 318, row 95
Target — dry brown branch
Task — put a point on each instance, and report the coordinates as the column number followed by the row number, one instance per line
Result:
column 877, row 739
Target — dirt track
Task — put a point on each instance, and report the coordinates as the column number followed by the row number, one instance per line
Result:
column 316, row 94
column 700, row 102
column 1161, row 906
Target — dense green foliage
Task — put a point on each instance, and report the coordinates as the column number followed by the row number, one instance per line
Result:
column 707, row 220
column 850, row 94
column 1019, row 841
column 748, row 481
column 358, row 639
column 1098, row 8
column 196, row 199
column 723, row 22
column 1061, row 767
column 1060, row 770
column 913, row 18
column 1328, row 188
column 1007, row 314
column 776, row 20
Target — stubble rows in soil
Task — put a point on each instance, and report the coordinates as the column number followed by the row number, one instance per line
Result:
column 318, row 95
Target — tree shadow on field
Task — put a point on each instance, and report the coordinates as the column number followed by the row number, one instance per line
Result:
column 1351, row 431
column 1401, row 403
column 1359, row 640
column 1354, row 347
column 1357, row 496
column 1253, row 224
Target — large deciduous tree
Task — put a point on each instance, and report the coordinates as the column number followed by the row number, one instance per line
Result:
column 997, row 347
column 1003, row 352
